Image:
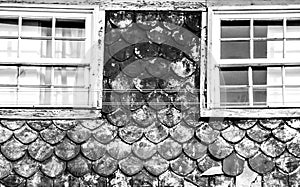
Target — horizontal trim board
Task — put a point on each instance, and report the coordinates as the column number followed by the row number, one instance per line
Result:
column 46, row 113
column 252, row 113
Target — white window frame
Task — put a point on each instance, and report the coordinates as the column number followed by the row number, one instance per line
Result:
column 215, row 15
column 92, row 16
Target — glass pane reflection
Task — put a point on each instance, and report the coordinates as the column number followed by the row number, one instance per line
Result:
column 35, row 28
column 234, row 96
column 235, row 29
column 235, row 49
column 234, row 76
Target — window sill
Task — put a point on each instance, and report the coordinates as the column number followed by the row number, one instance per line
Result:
column 49, row 113
column 251, row 113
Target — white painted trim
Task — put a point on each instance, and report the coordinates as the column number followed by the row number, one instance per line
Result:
column 98, row 44
column 215, row 61
column 48, row 7
column 255, row 7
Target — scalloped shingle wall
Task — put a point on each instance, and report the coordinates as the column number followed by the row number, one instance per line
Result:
column 190, row 153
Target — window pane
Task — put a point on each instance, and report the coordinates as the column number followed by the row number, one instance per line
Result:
column 259, row 96
column 233, row 76
column 29, row 96
column 36, row 28
column 9, row 48
column 292, row 76
column 70, row 28
column 268, row 49
column 235, row 49
column 274, row 76
column 292, row 49
column 292, row 96
column 268, row 28
column 69, row 76
column 8, row 75
column 274, row 97
column 9, row 27
column 69, row 49
column 35, row 48
column 234, row 96
column 8, row 96
column 259, row 75
column 70, row 96
column 34, row 75
column 293, row 28
column 235, row 28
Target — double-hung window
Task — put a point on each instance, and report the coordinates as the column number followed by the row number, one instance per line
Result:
column 254, row 58
column 46, row 56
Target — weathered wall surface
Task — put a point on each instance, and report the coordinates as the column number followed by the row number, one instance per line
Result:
column 251, row 2
column 121, row 4
column 149, row 134
column 158, row 151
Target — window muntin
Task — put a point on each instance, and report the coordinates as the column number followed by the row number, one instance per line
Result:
column 272, row 86
column 43, row 37
column 43, row 85
column 44, row 59
column 267, row 47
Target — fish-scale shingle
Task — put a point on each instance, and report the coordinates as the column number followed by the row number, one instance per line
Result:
column 272, row 147
column 169, row 149
column 246, row 148
column 195, row 149
column 169, row 116
column 105, row 166
column 53, row 167
column 92, row 149
column 130, row 133
column 258, row 134
column 105, row 133
column 26, row 167
column 52, row 134
column 42, row 180
column 79, row 134
column 13, row 124
column 156, row 165
column 144, row 149
column 5, row 167
column 233, row 134
column 183, row 165
column 5, row 134
column 13, row 180
column 40, row 150
column 66, row 149
column 207, row 134
column 13, row 149
column 233, row 165
column 79, row 166
column 118, row 149
column 182, row 132
column 220, row 148
column 25, row 134
column 39, row 125
column 131, row 165
column 284, row 132
column 261, row 164
column 287, row 163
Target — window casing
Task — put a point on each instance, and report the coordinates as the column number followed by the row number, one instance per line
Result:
column 46, row 56
column 254, row 59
